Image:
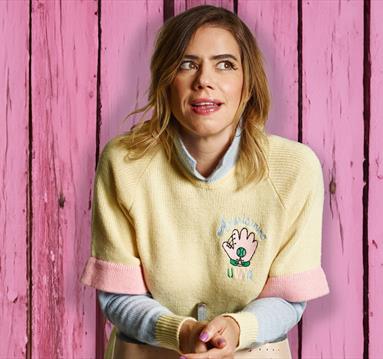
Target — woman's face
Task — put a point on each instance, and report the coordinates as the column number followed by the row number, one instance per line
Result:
column 206, row 91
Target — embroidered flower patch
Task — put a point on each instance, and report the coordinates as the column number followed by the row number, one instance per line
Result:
column 240, row 247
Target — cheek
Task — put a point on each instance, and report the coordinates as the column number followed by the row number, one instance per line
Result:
column 180, row 85
column 233, row 89
column 174, row 96
column 178, row 92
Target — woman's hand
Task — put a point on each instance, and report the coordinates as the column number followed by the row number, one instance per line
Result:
column 189, row 337
column 222, row 333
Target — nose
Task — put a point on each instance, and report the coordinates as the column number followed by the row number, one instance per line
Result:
column 204, row 78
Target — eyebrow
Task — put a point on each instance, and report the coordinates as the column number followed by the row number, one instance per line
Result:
column 215, row 57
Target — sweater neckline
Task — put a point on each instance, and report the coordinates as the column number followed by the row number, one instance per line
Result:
column 224, row 167
column 228, row 180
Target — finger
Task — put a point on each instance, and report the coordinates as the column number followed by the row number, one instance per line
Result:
column 213, row 327
column 200, row 347
column 218, row 341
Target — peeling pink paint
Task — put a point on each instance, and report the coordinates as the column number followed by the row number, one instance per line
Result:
column 59, row 152
column 14, row 212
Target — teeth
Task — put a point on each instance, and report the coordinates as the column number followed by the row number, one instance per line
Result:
column 205, row 104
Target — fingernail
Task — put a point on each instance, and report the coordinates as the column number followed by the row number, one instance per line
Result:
column 203, row 336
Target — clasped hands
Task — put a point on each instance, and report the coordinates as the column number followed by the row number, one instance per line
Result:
column 217, row 339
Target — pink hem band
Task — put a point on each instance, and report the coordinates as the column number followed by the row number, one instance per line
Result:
column 114, row 277
column 297, row 287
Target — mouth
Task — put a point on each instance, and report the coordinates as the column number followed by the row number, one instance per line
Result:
column 206, row 102
column 206, row 107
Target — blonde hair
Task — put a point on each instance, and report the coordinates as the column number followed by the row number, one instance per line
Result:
column 170, row 46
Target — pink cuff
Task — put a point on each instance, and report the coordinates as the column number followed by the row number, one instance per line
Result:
column 114, row 277
column 297, row 287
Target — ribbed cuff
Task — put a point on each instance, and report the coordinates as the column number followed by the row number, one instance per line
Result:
column 248, row 326
column 168, row 329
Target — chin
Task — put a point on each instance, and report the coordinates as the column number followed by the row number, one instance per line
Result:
column 208, row 132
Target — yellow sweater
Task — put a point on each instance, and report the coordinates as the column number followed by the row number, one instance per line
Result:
column 157, row 229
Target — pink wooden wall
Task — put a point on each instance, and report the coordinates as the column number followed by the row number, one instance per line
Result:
column 69, row 73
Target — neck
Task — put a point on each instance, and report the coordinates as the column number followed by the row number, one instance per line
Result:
column 207, row 151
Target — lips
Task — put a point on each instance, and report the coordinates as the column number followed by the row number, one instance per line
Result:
column 206, row 102
column 205, row 106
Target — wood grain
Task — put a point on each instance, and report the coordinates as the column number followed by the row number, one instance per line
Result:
column 182, row 5
column 277, row 40
column 375, row 197
column 64, row 65
column 127, row 44
column 274, row 25
column 333, row 128
column 14, row 186
column 89, row 67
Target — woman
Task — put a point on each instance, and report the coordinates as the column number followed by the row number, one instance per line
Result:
column 206, row 230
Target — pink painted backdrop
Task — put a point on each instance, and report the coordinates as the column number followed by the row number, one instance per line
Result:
column 71, row 71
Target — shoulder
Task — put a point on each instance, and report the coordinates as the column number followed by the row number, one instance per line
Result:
column 118, row 158
column 119, row 172
column 292, row 155
column 295, row 169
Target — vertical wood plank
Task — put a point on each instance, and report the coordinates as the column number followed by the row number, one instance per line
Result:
column 64, row 65
column 375, row 206
column 274, row 25
column 14, row 169
column 333, row 127
column 182, row 5
column 128, row 32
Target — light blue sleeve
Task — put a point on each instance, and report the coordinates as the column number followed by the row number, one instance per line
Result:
column 275, row 317
column 133, row 315
column 136, row 316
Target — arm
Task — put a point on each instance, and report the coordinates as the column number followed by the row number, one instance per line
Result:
column 275, row 316
column 264, row 320
column 230, row 332
column 136, row 316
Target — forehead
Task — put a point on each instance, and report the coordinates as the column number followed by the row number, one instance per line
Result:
column 212, row 40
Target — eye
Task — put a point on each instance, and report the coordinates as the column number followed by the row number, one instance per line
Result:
column 188, row 65
column 226, row 65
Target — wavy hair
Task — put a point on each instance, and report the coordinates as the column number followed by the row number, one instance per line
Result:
column 170, row 46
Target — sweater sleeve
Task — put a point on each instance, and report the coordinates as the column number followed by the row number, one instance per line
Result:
column 135, row 316
column 275, row 317
column 296, row 273
column 138, row 317
column 114, row 265
column 266, row 320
